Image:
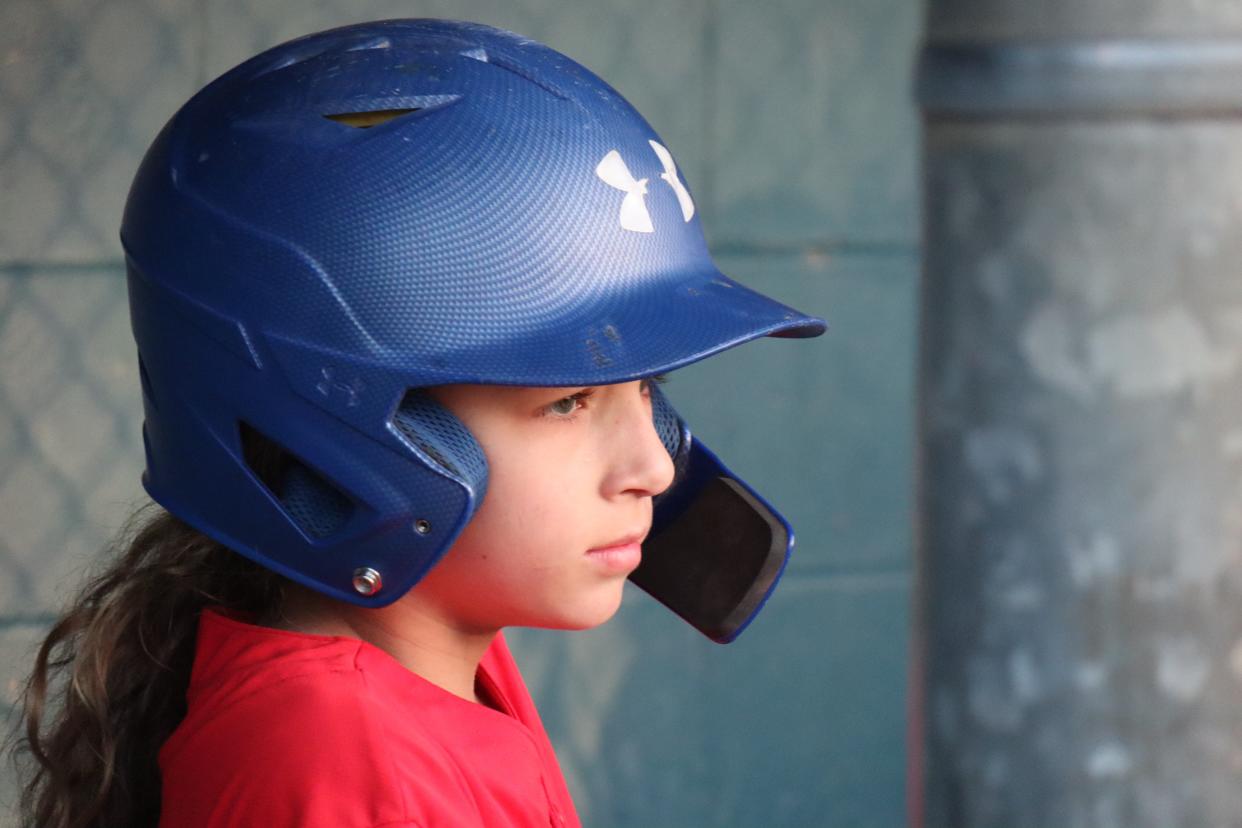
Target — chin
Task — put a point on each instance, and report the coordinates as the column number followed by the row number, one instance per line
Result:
column 586, row 615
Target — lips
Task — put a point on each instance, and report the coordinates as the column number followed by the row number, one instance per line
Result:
column 625, row 540
column 621, row 556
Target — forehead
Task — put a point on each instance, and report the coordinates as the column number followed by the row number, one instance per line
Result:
column 480, row 405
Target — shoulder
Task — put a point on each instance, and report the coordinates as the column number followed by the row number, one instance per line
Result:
column 311, row 736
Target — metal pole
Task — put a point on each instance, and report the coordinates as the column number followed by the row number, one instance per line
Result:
column 1080, row 446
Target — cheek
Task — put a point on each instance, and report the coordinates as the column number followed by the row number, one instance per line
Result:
column 523, row 518
column 521, row 560
column 531, row 492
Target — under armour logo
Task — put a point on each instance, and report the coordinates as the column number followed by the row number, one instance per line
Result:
column 670, row 176
column 634, row 216
column 329, row 385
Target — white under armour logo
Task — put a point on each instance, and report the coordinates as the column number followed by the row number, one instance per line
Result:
column 634, row 216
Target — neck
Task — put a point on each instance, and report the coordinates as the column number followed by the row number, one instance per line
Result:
column 409, row 630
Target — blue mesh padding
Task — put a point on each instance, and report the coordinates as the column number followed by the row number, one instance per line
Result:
column 312, row 503
column 667, row 423
column 434, row 430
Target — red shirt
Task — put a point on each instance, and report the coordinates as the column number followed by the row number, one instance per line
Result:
column 288, row 729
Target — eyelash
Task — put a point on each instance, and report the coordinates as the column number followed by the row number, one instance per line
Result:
column 585, row 394
column 578, row 399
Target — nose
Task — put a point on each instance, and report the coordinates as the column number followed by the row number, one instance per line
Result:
column 641, row 464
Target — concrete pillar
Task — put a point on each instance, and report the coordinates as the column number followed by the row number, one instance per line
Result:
column 1080, row 423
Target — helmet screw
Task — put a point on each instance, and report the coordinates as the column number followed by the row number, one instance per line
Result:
column 422, row 526
column 367, row 581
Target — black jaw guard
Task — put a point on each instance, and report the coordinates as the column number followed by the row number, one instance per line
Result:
column 716, row 548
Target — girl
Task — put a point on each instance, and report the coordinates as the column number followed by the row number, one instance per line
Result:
column 375, row 274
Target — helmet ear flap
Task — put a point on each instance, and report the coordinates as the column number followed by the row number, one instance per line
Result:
column 326, row 514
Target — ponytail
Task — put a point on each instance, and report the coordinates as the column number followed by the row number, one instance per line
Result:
column 109, row 683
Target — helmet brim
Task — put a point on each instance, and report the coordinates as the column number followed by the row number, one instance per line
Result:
column 654, row 327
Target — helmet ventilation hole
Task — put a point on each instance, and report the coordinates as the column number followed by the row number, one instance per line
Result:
column 366, row 120
column 316, row 506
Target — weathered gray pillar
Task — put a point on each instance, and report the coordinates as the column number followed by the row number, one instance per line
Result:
column 1080, row 468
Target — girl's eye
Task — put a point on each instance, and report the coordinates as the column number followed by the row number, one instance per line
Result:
column 565, row 406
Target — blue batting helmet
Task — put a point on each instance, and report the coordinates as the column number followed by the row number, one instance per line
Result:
column 365, row 212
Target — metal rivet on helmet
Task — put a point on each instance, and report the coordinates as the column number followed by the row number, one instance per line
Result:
column 367, row 581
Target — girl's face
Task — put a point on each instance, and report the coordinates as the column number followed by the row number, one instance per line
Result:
column 571, row 475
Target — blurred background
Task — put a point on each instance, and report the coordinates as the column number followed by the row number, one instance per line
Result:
column 1014, row 461
column 794, row 125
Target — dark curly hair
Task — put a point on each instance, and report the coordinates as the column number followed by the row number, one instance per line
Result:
column 109, row 682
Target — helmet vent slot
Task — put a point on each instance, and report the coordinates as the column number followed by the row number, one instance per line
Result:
column 312, row 503
column 366, row 120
